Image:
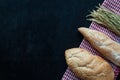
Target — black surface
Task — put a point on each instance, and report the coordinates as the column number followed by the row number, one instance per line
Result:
column 35, row 33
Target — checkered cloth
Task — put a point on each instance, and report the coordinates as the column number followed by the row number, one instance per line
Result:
column 113, row 5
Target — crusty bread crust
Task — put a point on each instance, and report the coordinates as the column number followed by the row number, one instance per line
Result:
column 87, row 66
column 101, row 42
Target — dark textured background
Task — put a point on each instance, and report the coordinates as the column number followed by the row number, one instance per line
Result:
column 35, row 33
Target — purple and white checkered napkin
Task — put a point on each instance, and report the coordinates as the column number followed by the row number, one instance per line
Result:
column 113, row 5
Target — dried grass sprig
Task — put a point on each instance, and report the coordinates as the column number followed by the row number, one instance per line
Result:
column 107, row 18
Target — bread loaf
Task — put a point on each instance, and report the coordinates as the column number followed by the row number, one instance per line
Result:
column 87, row 66
column 101, row 42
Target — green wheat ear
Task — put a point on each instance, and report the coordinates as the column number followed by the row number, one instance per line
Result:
column 107, row 18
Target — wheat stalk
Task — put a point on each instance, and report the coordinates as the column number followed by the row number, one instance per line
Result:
column 107, row 18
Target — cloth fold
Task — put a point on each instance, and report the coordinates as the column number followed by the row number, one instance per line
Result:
column 113, row 5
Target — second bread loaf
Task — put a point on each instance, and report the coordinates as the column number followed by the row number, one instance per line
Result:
column 105, row 45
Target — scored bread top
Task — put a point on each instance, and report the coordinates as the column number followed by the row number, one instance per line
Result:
column 88, row 66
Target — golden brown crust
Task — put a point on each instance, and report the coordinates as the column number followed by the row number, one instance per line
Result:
column 87, row 66
column 105, row 45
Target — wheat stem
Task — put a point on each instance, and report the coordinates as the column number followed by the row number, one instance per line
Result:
column 107, row 18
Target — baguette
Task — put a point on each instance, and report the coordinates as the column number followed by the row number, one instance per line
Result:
column 102, row 43
column 87, row 66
